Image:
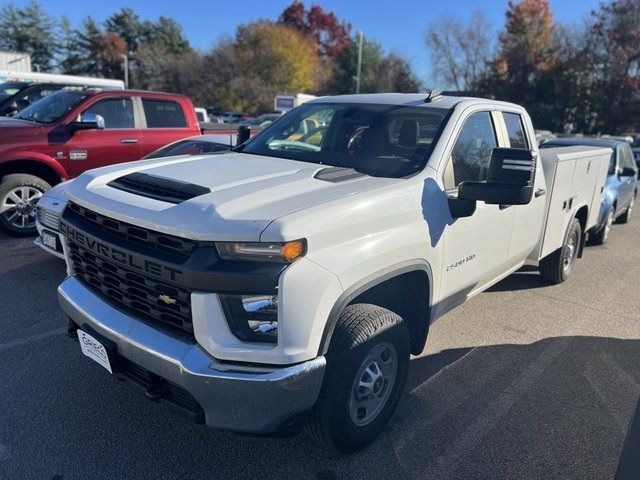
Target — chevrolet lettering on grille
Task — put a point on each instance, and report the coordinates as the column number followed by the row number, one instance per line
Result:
column 120, row 256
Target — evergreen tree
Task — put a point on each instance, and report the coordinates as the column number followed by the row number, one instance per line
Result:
column 30, row 30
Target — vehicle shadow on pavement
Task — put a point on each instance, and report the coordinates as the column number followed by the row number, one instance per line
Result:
column 526, row 278
column 556, row 408
column 629, row 466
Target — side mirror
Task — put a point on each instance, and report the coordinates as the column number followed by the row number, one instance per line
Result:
column 244, row 133
column 88, row 121
column 628, row 172
column 10, row 110
column 509, row 181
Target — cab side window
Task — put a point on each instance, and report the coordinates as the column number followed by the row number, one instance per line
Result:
column 627, row 160
column 515, row 130
column 472, row 151
column 117, row 112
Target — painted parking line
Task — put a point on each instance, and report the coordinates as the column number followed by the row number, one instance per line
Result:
column 31, row 338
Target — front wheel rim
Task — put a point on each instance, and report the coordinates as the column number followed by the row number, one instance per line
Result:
column 373, row 384
column 19, row 207
column 630, row 209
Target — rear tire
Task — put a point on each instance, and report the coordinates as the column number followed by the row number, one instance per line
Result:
column 557, row 267
column 600, row 237
column 367, row 366
column 19, row 194
column 626, row 216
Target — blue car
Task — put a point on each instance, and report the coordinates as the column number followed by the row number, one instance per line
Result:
column 620, row 189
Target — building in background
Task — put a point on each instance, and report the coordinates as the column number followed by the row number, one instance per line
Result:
column 15, row 61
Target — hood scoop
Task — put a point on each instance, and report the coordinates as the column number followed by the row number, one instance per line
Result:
column 158, row 188
column 337, row 174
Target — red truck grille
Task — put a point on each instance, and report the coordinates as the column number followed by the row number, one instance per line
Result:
column 163, row 305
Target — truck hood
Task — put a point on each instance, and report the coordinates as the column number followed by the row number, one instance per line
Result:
column 247, row 192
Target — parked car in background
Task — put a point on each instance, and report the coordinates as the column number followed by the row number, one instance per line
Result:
column 50, row 205
column 68, row 132
column 543, row 136
column 202, row 115
column 635, row 146
column 198, row 145
column 262, row 121
column 622, row 138
column 233, row 117
column 621, row 187
column 18, row 90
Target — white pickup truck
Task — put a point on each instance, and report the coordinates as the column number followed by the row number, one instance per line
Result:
column 289, row 281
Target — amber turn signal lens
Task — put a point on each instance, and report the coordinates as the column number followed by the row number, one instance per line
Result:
column 292, row 250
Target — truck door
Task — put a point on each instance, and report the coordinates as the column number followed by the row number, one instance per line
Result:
column 166, row 122
column 474, row 248
column 528, row 219
column 118, row 142
column 627, row 185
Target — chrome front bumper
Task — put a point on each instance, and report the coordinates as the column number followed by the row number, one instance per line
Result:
column 233, row 397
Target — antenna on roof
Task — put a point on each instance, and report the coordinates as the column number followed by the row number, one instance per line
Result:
column 432, row 95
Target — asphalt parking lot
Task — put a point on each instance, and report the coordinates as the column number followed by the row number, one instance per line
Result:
column 525, row 381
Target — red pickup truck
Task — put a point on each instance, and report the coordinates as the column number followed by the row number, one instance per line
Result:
column 68, row 132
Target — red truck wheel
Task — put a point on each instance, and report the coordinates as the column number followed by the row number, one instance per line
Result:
column 19, row 194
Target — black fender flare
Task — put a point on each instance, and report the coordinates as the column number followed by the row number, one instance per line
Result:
column 365, row 284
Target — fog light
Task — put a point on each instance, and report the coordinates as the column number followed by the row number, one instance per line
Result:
column 252, row 318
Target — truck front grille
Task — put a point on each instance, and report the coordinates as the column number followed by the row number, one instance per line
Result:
column 48, row 218
column 181, row 247
column 163, row 305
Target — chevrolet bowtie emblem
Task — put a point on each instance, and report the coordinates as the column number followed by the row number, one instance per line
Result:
column 167, row 299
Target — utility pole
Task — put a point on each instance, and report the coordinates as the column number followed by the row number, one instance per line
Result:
column 360, row 42
column 125, row 61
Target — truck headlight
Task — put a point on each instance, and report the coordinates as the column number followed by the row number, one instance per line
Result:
column 280, row 252
column 252, row 318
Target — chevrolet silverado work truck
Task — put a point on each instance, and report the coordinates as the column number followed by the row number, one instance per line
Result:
column 71, row 131
column 288, row 282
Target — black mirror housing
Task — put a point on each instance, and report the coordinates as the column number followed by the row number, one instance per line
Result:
column 88, row 121
column 509, row 181
column 628, row 172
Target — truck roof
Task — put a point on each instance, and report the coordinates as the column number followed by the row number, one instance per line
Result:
column 114, row 92
column 409, row 99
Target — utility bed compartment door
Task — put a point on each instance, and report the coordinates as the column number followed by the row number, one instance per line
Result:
column 575, row 176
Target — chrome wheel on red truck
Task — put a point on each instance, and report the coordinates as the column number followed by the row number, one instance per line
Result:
column 19, row 194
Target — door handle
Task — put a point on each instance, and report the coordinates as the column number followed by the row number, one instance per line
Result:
column 540, row 192
column 128, row 140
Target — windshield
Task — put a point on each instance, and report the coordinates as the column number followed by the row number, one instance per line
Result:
column 188, row 147
column 379, row 140
column 52, row 107
column 9, row 89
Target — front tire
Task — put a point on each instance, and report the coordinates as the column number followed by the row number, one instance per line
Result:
column 626, row 216
column 367, row 367
column 557, row 267
column 601, row 236
column 19, row 193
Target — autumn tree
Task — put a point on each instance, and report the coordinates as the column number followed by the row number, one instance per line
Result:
column 275, row 58
column 614, row 48
column 460, row 52
column 525, row 57
column 330, row 34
